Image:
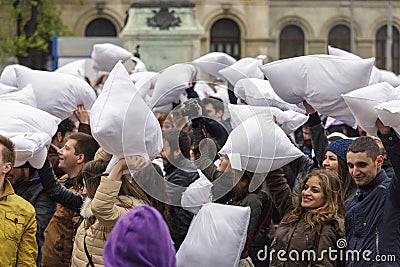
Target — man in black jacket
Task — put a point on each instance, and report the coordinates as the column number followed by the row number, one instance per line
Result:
column 180, row 173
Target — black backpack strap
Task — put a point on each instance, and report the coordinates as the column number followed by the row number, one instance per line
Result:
column 91, row 264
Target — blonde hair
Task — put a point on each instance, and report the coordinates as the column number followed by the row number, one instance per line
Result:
column 331, row 210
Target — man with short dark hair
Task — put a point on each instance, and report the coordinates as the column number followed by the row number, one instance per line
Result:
column 180, row 173
column 215, row 109
column 17, row 220
column 372, row 219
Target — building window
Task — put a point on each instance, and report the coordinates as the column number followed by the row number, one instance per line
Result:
column 339, row 37
column 380, row 55
column 225, row 37
column 100, row 27
column 291, row 42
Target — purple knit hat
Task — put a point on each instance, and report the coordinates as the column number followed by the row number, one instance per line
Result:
column 140, row 238
column 339, row 147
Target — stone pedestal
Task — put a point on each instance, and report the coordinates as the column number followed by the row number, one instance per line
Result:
column 167, row 32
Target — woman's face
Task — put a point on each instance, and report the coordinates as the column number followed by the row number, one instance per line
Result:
column 312, row 196
column 331, row 162
column 223, row 164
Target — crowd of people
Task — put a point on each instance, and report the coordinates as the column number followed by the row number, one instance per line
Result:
column 337, row 203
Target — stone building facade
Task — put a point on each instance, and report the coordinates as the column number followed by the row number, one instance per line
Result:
column 247, row 28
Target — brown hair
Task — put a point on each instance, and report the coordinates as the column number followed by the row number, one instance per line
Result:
column 8, row 151
column 331, row 210
column 91, row 173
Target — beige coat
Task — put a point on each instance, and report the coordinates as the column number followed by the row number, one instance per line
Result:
column 107, row 210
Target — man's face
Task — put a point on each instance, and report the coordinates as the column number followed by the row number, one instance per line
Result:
column 211, row 111
column 67, row 159
column 166, row 152
column 362, row 168
column 18, row 175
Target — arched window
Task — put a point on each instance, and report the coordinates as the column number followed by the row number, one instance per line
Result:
column 291, row 42
column 100, row 27
column 380, row 53
column 225, row 37
column 339, row 37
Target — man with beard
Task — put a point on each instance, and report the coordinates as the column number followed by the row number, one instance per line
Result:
column 27, row 186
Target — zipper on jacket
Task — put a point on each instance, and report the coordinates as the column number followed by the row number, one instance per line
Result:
column 377, row 240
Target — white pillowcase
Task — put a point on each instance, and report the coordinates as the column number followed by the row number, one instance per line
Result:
column 213, row 62
column 144, row 82
column 120, row 120
column 17, row 118
column 244, row 68
column 196, row 194
column 320, row 80
column 216, row 237
column 57, row 93
column 31, row 147
column 4, row 88
column 390, row 77
column 259, row 145
column 257, row 92
column 8, row 76
column 106, row 55
column 24, row 96
column 75, row 68
column 171, row 83
column 362, row 103
column 139, row 66
column 389, row 114
column 375, row 73
column 290, row 120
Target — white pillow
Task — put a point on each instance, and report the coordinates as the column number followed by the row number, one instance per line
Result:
column 257, row 92
column 75, row 68
column 106, row 55
column 213, row 62
column 244, row 68
column 216, row 237
column 31, row 147
column 320, row 80
column 144, row 82
column 362, row 103
column 4, row 88
column 196, row 194
column 375, row 73
column 57, row 93
column 389, row 114
column 139, row 66
column 290, row 120
column 390, row 77
column 171, row 83
column 8, row 76
column 120, row 120
column 17, row 118
column 24, row 96
column 259, row 145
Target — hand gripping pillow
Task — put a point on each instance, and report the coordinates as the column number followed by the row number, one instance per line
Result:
column 17, row 118
column 120, row 120
column 57, row 93
column 106, row 55
column 257, row 92
column 31, row 147
column 198, row 193
column 320, row 80
column 171, row 83
column 289, row 120
column 389, row 114
column 214, row 62
column 375, row 73
column 390, row 77
column 216, row 237
column 362, row 103
column 24, row 96
column 259, row 145
column 244, row 68
column 75, row 68
column 8, row 76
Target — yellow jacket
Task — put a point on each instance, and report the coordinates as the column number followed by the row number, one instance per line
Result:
column 17, row 230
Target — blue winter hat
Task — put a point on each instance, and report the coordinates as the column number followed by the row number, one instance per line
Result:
column 140, row 238
column 339, row 147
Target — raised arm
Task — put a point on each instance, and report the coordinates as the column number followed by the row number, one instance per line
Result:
column 279, row 191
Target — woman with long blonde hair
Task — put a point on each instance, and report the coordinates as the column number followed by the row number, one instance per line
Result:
column 313, row 219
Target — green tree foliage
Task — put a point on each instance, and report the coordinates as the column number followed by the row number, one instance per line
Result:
column 29, row 26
